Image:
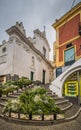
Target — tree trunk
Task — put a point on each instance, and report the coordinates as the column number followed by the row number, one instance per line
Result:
column 42, row 117
column 30, row 116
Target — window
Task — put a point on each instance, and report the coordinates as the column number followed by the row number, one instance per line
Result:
column 44, row 51
column 43, row 76
column 34, row 37
column 69, row 56
column 4, row 49
column 33, row 61
column 58, row 71
column 68, row 45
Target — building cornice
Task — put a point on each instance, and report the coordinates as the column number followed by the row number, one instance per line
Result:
column 75, row 9
column 16, row 30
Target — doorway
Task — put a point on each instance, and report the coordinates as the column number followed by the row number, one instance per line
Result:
column 43, row 76
column 32, row 76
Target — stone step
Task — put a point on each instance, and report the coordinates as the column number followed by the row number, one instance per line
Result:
column 2, row 104
column 67, row 107
column 0, row 109
column 21, row 90
column 49, row 92
column 64, row 105
column 58, row 98
column 19, row 93
column 61, row 101
column 12, row 96
column 53, row 95
column 4, row 98
column 7, row 98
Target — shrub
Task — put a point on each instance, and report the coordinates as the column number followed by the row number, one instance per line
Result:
column 9, row 83
column 5, row 92
column 23, row 82
column 39, row 90
column 8, row 90
column 1, row 92
column 16, row 88
column 33, row 101
column 11, row 89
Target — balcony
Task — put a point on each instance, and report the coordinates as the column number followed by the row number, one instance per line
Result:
column 79, row 25
column 69, row 62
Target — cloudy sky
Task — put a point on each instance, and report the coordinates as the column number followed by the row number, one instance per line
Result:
column 34, row 14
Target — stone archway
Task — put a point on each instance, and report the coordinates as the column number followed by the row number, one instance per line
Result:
column 57, row 85
column 72, row 87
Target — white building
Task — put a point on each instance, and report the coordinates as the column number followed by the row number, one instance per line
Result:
column 21, row 56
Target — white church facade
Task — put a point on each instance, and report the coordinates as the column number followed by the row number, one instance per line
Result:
column 22, row 56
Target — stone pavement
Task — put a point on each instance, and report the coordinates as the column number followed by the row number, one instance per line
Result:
column 72, row 125
column 71, row 112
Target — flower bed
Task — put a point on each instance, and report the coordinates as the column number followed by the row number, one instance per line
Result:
column 34, row 117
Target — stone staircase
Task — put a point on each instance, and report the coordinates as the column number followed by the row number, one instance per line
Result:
column 61, row 102
column 68, row 108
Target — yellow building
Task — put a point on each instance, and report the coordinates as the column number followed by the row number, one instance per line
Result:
column 68, row 37
column 67, row 54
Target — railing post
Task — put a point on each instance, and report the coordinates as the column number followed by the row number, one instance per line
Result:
column 54, row 116
column 9, row 113
column 42, row 117
column 18, row 115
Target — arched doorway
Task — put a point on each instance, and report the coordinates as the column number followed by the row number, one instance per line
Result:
column 72, row 87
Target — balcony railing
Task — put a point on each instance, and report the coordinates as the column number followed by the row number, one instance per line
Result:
column 69, row 62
